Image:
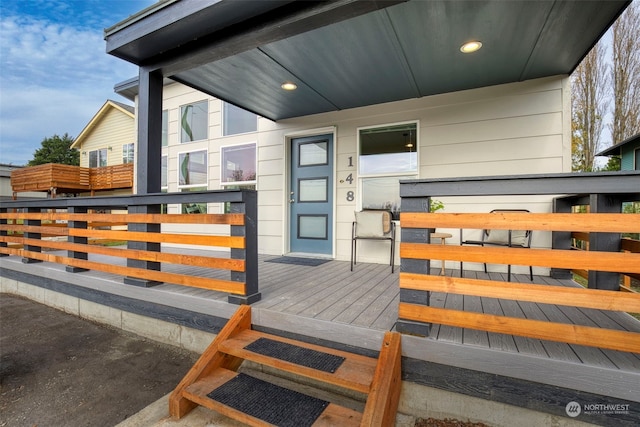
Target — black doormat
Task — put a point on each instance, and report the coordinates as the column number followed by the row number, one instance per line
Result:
column 271, row 403
column 295, row 354
column 310, row 262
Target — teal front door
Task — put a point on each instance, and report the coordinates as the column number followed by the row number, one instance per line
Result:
column 311, row 195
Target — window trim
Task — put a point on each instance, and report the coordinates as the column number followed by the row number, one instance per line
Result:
column 206, row 183
column 206, row 137
column 222, row 168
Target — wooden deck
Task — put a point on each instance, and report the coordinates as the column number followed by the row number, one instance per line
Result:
column 330, row 302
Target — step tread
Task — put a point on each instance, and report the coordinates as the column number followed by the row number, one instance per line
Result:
column 333, row 415
column 355, row 373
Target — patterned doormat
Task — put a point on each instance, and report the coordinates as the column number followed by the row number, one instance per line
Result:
column 271, row 403
column 309, row 262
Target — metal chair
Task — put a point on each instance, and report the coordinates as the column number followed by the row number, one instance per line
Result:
column 373, row 225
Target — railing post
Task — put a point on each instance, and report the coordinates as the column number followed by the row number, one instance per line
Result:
column 608, row 242
column 77, row 239
column 3, row 232
column 249, row 207
column 561, row 239
column 145, row 246
column 31, row 235
column 414, row 235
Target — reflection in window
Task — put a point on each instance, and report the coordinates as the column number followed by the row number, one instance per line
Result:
column 238, row 163
column 127, row 153
column 194, row 207
column 227, row 205
column 164, row 173
column 98, row 158
column 236, row 120
column 387, row 155
column 194, row 121
column 192, row 168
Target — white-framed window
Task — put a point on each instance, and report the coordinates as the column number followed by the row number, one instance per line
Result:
column 386, row 154
column 238, row 164
column 164, row 173
column 235, row 120
column 192, row 169
column 165, row 128
column 128, row 153
column 195, row 207
column 194, row 121
column 98, row 158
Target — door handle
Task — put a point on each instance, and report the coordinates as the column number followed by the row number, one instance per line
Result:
column 292, row 200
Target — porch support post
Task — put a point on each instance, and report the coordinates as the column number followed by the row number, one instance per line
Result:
column 30, row 235
column 77, row 239
column 250, row 253
column 3, row 232
column 609, row 242
column 415, row 235
column 149, row 158
column 561, row 239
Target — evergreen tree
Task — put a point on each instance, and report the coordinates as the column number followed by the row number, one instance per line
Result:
column 56, row 149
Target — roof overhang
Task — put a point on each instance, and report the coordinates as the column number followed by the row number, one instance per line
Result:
column 616, row 149
column 351, row 53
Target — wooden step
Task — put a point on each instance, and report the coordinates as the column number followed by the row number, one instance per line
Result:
column 333, row 415
column 355, row 373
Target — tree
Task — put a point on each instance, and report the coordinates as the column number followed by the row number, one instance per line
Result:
column 625, row 75
column 56, row 149
column 589, row 105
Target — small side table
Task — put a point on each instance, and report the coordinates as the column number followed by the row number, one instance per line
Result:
column 443, row 237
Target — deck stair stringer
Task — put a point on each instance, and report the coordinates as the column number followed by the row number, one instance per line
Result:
column 215, row 383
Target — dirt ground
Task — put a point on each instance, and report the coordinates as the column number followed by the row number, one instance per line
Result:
column 59, row 370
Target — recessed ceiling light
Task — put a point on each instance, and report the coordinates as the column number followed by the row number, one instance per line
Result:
column 289, row 86
column 471, row 46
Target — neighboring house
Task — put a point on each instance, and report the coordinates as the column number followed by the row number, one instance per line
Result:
column 6, row 192
column 355, row 96
column 628, row 151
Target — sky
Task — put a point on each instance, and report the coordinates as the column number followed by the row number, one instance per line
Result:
column 54, row 71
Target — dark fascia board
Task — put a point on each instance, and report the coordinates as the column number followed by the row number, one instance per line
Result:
column 614, row 183
column 131, row 87
column 615, row 150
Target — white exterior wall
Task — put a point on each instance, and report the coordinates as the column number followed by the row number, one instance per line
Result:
column 521, row 128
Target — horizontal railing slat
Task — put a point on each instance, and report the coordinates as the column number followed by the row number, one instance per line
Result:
column 539, row 329
column 595, row 222
column 188, row 239
column 228, row 219
column 546, row 294
column 623, row 262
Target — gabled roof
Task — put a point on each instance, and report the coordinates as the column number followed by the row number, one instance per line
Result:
column 616, row 149
column 350, row 53
column 109, row 105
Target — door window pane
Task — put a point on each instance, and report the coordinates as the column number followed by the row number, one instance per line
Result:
column 194, row 121
column 236, row 120
column 312, row 227
column 312, row 190
column 192, row 168
column 238, row 164
column 313, row 153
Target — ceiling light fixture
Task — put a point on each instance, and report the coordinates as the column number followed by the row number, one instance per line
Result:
column 289, row 86
column 471, row 46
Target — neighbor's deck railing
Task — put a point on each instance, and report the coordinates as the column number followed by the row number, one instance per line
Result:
column 416, row 282
column 28, row 229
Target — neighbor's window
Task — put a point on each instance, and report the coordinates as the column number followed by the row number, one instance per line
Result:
column 194, row 119
column 236, row 120
column 98, row 158
column 127, row 153
column 192, row 169
column 387, row 155
column 165, row 128
column 238, row 164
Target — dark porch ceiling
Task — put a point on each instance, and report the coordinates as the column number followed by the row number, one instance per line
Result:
column 350, row 53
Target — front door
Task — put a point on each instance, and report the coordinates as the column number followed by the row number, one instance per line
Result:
column 311, row 195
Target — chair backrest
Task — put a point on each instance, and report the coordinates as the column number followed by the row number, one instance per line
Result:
column 373, row 223
column 501, row 237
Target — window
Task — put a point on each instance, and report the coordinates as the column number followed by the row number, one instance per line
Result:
column 192, row 169
column 227, row 205
column 164, row 173
column 236, row 120
column 386, row 155
column 98, row 158
column 194, row 119
column 127, row 153
column 194, row 208
column 238, row 164
column 637, row 159
column 165, row 128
